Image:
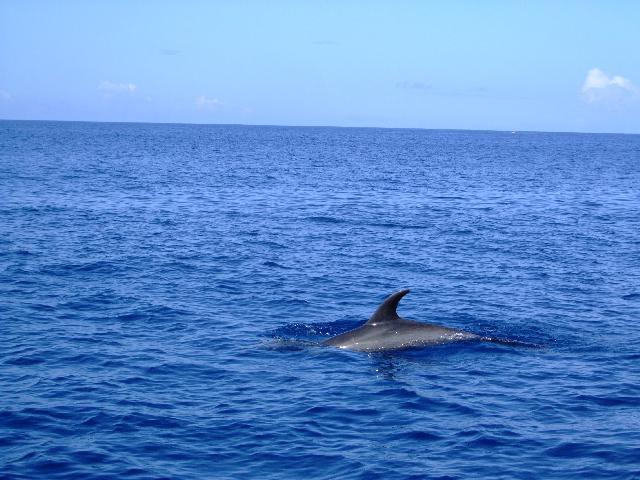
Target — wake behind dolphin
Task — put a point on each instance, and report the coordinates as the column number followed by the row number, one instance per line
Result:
column 386, row 331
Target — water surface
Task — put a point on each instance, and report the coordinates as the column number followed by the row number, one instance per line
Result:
column 163, row 288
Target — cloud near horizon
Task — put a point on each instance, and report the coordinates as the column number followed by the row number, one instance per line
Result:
column 204, row 102
column 600, row 87
column 110, row 88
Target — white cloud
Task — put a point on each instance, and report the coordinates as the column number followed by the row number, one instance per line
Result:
column 203, row 102
column 4, row 95
column 110, row 88
column 600, row 87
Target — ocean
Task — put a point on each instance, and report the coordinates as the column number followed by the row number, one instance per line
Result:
column 164, row 289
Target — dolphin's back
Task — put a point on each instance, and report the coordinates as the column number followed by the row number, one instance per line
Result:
column 386, row 330
column 402, row 334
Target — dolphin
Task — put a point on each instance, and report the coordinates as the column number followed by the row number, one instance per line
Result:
column 386, row 331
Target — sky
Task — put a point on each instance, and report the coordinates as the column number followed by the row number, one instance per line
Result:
column 490, row 65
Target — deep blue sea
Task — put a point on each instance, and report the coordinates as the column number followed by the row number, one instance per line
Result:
column 163, row 289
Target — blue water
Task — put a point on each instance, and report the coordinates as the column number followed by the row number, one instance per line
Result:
column 163, row 289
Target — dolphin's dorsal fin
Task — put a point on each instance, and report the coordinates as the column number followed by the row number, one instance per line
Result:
column 386, row 312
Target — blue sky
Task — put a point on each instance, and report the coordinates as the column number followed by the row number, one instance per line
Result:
column 550, row 66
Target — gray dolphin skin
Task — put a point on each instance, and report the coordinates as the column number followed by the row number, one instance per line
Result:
column 386, row 331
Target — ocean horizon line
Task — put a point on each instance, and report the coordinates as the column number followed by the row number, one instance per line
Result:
column 370, row 127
